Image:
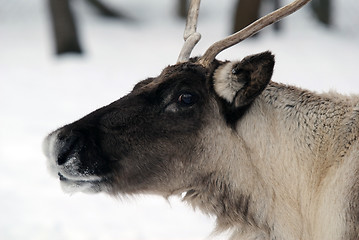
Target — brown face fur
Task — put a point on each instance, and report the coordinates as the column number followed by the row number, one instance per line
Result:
column 148, row 140
column 142, row 141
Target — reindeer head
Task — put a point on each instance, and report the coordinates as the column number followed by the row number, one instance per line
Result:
column 150, row 140
column 156, row 138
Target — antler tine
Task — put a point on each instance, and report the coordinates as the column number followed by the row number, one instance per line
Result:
column 190, row 35
column 250, row 30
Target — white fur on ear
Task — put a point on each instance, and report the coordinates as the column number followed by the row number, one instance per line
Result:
column 225, row 83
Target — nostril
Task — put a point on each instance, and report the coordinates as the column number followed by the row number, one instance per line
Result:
column 69, row 145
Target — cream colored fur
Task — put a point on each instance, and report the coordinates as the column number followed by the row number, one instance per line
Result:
column 296, row 154
column 226, row 89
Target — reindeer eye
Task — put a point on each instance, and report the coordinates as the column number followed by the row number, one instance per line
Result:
column 187, row 99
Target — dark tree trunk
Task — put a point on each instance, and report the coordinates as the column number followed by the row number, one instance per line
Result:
column 182, row 8
column 105, row 10
column 322, row 9
column 247, row 11
column 277, row 5
column 64, row 27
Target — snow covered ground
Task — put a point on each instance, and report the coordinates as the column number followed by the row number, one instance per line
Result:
column 39, row 93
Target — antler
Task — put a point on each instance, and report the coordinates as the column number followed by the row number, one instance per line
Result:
column 190, row 35
column 248, row 31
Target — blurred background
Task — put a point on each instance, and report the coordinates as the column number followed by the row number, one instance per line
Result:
column 61, row 59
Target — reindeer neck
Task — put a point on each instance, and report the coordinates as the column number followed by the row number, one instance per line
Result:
column 263, row 171
column 290, row 136
column 290, row 128
column 307, row 120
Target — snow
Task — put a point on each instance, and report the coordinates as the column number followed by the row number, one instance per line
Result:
column 39, row 93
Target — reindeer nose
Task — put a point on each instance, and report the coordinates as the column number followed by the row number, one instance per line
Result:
column 69, row 145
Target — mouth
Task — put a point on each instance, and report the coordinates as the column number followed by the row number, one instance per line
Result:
column 73, row 177
column 62, row 178
column 81, row 184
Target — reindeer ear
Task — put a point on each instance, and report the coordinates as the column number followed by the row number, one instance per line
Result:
column 240, row 82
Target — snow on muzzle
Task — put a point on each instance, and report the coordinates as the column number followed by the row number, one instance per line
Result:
column 63, row 161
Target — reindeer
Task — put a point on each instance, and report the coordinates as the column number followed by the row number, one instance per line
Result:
column 270, row 161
